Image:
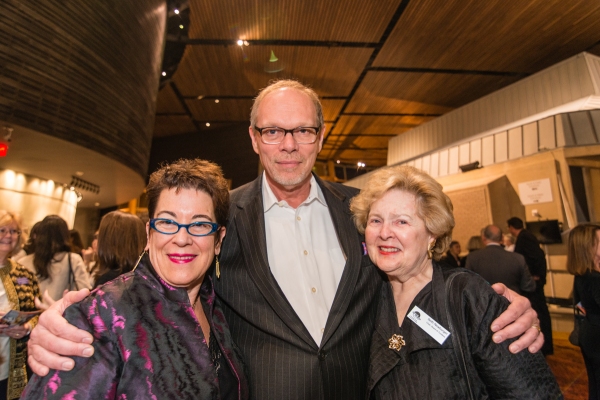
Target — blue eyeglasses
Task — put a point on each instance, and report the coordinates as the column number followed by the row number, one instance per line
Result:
column 169, row 227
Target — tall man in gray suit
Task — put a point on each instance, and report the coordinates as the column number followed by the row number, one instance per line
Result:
column 495, row 264
column 299, row 293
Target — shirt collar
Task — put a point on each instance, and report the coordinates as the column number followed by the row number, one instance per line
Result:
column 269, row 198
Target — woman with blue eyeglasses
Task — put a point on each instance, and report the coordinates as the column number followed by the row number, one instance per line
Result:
column 159, row 331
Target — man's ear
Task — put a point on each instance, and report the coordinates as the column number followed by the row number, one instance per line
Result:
column 254, row 139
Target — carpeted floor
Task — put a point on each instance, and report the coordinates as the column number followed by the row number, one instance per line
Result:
column 568, row 367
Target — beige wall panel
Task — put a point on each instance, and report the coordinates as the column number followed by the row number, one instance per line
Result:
column 464, row 156
column 471, row 213
column 530, row 139
column 487, row 151
column 501, row 147
column 453, row 160
column 547, row 133
column 515, row 143
column 475, row 151
column 435, row 165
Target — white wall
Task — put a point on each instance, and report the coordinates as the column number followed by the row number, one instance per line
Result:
column 33, row 198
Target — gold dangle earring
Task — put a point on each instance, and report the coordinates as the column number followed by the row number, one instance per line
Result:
column 430, row 250
column 217, row 267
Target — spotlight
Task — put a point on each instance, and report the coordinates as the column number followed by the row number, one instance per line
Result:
column 240, row 42
column 164, row 73
column 176, row 11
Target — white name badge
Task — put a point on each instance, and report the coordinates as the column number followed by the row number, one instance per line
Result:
column 428, row 324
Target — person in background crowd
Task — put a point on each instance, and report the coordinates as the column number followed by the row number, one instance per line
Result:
column 76, row 242
column 90, row 255
column 431, row 339
column 475, row 243
column 159, row 330
column 56, row 268
column 18, row 289
column 303, row 336
column 528, row 245
column 452, row 257
column 121, row 239
column 29, row 245
column 495, row 264
column 583, row 261
column 509, row 242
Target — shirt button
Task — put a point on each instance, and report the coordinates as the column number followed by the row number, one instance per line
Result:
column 314, row 290
column 305, row 252
column 298, row 218
column 322, row 330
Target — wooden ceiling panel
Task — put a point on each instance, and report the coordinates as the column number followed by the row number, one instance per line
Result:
column 323, row 20
column 167, row 102
column 493, row 35
column 422, row 93
column 373, row 158
column 226, row 110
column 331, row 108
column 235, row 71
column 172, row 125
column 376, row 125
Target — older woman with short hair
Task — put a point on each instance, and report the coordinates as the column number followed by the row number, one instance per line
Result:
column 18, row 289
column 583, row 261
column 159, row 331
column 432, row 336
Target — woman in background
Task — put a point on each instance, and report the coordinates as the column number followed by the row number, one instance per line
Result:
column 583, row 261
column 76, row 242
column 121, row 239
column 18, row 289
column 53, row 263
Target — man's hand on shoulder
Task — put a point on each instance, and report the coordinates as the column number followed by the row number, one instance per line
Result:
column 54, row 336
column 518, row 319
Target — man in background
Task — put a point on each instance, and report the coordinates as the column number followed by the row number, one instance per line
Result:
column 495, row 264
column 528, row 246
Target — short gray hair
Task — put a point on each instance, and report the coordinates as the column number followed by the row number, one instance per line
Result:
column 291, row 84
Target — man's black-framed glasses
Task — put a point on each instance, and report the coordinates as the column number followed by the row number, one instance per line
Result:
column 170, row 227
column 301, row 134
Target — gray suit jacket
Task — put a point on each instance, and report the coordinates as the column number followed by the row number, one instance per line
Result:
column 282, row 359
column 495, row 264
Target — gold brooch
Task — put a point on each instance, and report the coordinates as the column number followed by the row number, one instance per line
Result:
column 396, row 342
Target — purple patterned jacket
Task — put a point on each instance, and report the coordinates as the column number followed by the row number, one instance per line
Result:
column 148, row 345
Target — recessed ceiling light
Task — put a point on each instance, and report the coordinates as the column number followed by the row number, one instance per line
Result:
column 79, row 173
column 208, row 124
column 180, row 26
column 164, row 73
column 200, row 97
column 240, row 42
column 216, row 100
column 338, row 161
column 176, row 11
column 96, row 204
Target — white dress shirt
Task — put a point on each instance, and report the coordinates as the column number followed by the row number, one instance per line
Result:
column 305, row 255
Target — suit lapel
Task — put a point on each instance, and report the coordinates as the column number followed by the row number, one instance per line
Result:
column 347, row 235
column 250, row 224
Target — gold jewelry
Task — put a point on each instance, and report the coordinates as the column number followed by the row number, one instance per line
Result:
column 396, row 342
column 139, row 259
column 536, row 326
column 430, row 250
column 217, row 267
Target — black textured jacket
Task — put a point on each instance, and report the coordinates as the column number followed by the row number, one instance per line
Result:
column 468, row 365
